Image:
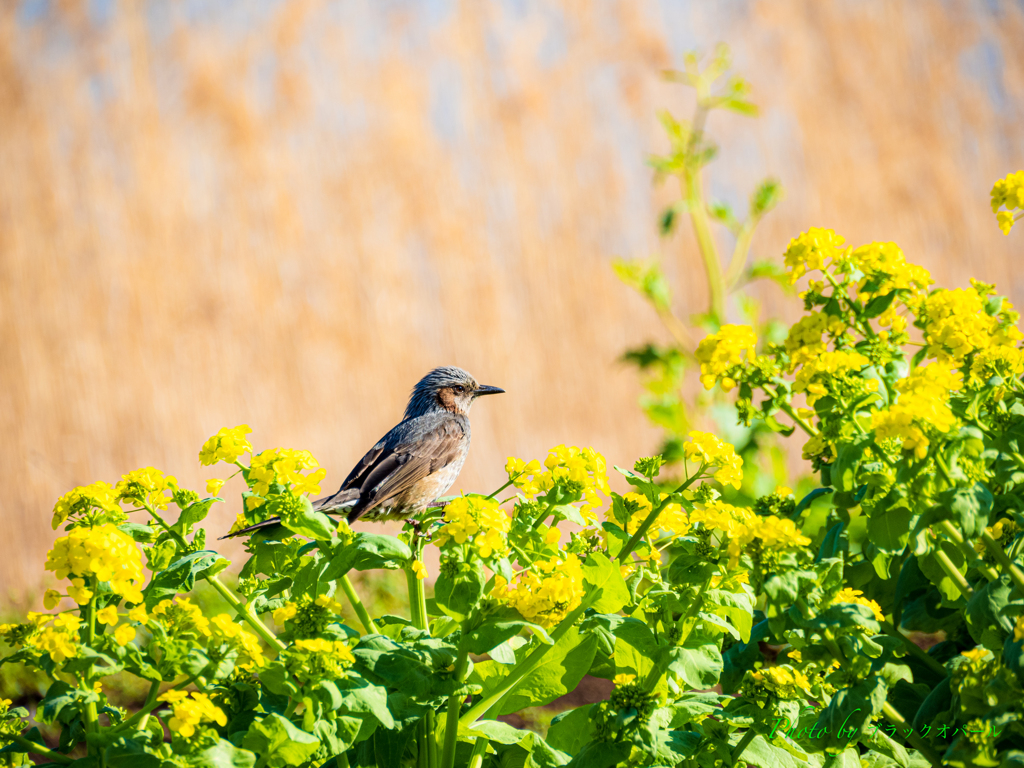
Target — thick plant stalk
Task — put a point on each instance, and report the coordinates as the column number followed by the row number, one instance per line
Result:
column 1004, row 560
column 645, row 526
column 427, row 752
column 451, row 728
column 38, row 749
column 357, row 605
column 969, row 554
column 479, row 750
column 895, row 718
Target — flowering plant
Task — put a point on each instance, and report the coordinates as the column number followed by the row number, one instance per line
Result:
column 773, row 634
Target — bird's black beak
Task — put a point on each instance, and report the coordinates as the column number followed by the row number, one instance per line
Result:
column 488, row 390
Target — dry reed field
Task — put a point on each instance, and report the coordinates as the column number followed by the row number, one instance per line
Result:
column 283, row 214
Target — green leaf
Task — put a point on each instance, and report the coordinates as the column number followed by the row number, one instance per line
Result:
column 368, row 551
column 764, row 754
column 878, row 305
column 601, row 755
column 889, row 527
column 300, row 517
column 986, row 620
column 223, row 753
column 180, row 576
column 844, row 469
column 279, row 743
column 498, row 627
column 929, row 565
column 698, row 663
column 130, row 754
column 359, row 696
column 194, row 514
column 571, row 730
column 608, row 591
column 458, row 594
column 559, row 671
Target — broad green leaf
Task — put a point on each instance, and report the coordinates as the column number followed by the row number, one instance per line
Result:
column 124, row 753
column 559, row 672
column 571, row 730
column 737, row 607
column 279, row 743
column 180, row 576
column 368, row 551
column 301, row 518
column 194, row 514
column 698, row 663
column 889, row 527
column 608, row 591
column 499, row 627
column 457, row 594
column 223, row 753
column 986, row 620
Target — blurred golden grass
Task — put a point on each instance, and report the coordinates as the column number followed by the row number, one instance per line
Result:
column 254, row 217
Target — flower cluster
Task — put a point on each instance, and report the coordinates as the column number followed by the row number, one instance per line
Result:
column 315, row 660
column 55, row 635
column 308, row 617
column 761, row 537
column 181, row 619
column 283, row 467
column 885, row 269
column 580, row 471
column 855, row 596
column 104, row 553
column 1008, row 192
column 671, row 521
column 545, row 594
column 720, row 352
column 84, row 499
column 810, row 249
column 836, row 374
column 191, row 709
column 922, row 408
column 146, row 486
column 245, row 644
column 956, row 324
column 782, row 681
column 479, row 521
column 710, row 451
column 804, row 343
column 227, row 446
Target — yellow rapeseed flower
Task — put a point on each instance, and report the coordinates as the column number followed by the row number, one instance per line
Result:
column 710, row 450
column 1008, row 192
column 191, row 709
column 922, row 407
column 104, row 552
column 227, row 445
column 583, row 468
column 146, row 485
column 213, row 486
column 124, row 634
column 479, row 521
column 718, row 353
column 547, row 593
column 107, row 615
column 855, row 596
column 419, row 569
column 810, row 249
column 83, row 498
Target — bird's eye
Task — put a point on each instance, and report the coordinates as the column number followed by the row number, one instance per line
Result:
column 460, row 388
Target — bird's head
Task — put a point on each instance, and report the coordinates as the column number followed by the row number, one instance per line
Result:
column 450, row 389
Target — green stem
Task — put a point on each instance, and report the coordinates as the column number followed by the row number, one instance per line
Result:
column 741, row 745
column 691, row 611
column 245, row 611
column 37, row 749
column 91, row 713
column 357, row 605
column 522, row 669
column 694, row 192
column 427, row 752
column 740, row 252
column 1003, row 559
column 637, row 537
column 451, row 728
column 476, row 760
column 913, row 649
column 895, row 718
column 142, row 716
column 969, row 554
column 953, row 572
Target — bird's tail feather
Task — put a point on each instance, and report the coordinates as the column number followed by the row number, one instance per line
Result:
column 342, row 500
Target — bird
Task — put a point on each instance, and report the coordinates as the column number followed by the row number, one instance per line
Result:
column 416, row 462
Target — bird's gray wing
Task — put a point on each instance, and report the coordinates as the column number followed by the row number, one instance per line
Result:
column 420, row 450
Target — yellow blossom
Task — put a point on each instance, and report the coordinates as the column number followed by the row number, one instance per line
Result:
column 804, row 343
column 885, row 266
column 583, row 469
column 479, row 521
column 138, row 613
column 181, row 618
column 284, row 613
column 855, row 596
column 976, row 654
column 720, row 352
column 213, row 486
column 104, row 552
column 190, row 710
column 1008, row 192
column 419, row 569
column 107, row 615
column 284, row 466
column 50, row 599
column 809, row 250
column 147, row 485
column 623, row 679
column 712, row 451
column 547, row 593
column 124, row 634
column 227, row 445
column 922, row 407
column 83, row 498
column 832, row 372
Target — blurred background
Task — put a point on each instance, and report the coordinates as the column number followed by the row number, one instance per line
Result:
column 284, row 213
